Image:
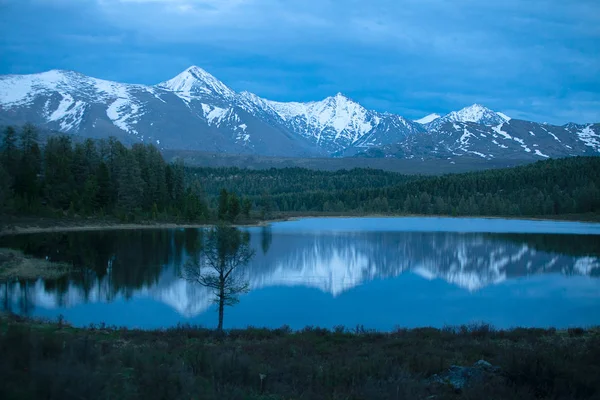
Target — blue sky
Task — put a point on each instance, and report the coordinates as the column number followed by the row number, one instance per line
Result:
column 532, row 59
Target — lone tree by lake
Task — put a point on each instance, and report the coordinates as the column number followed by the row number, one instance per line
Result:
column 223, row 251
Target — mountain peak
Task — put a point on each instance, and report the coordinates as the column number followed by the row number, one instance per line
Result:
column 475, row 113
column 196, row 82
column 198, row 73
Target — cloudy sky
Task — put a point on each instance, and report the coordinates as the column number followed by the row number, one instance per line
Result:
column 532, row 59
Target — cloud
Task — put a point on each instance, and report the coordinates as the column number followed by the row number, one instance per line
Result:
column 539, row 58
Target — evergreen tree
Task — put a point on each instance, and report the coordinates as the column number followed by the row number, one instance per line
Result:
column 27, row 178
column 90, row 195
column 130, row 185
column 223, row 211
column 103, row 197
column 10, row 154
column 233, row 207
column 246, row 207
column 58, row 171
column 5, row 188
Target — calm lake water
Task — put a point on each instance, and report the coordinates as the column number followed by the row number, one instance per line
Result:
column 377, row 272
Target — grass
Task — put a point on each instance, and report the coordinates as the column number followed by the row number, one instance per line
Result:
column 53, row 360
column 15, row 265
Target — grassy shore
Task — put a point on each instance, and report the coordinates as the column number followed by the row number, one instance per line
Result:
column 15, row 265
column 10, row 226
column 52, row 360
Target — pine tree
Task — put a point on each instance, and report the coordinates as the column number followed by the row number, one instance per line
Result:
column 5, row 188
column 103, row 196
column 223, row 210
column 58, row 168
column 89, row 197
column 129, row 197
column 10, row 153
column 27, row 179
column 233, row 207
column 246, row 207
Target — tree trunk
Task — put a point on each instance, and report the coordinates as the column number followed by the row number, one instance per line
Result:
column 221, row 307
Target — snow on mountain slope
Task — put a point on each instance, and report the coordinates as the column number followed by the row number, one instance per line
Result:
column 195, row 83
column 70, row 94
column 502, row 115
column 428, row 119
column 514, row 139
column 335, row 123
column 334, row 120
column 476, row 113
column 196, row 111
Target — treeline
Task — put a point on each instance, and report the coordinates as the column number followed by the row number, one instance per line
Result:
column 545, row 188
column 98, row 178
column 92, row 178
column 277, row 181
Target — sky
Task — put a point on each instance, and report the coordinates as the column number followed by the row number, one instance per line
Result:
column 535, row 59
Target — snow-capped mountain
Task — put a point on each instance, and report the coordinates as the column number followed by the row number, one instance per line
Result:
column 337, row 122
column 195, row 84
column 514, row 139
column 196, row 111
column 476, row 113
column 193, row 110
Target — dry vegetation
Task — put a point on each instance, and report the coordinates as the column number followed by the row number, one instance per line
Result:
column 15, row 265
column 55, row 361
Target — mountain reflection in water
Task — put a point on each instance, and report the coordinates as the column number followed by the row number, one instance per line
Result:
column 129, row 266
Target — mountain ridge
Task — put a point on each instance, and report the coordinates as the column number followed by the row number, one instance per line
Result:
column 195, row 110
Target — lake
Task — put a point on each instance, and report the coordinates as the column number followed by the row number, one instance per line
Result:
column 380, row 273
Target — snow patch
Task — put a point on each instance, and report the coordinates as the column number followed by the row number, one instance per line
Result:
column 464, row 139
column 539, row 153
column 585, row 265
column 504, row 116
column 428, row 119
column 214, row 115
column 69, row 112
column 589, row 137
column 477, row 153
column 122, row 113
column 550, row 133
column 499, row 145
column 499, row 131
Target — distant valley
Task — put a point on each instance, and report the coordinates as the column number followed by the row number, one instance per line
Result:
column 195, row 111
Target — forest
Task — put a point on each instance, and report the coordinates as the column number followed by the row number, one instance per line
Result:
column 104, row 178
column 546, row 188
column 92, row 178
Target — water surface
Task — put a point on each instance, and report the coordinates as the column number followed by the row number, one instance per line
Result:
column 377, row 272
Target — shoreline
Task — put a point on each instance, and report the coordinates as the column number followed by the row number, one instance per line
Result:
column 57, row 225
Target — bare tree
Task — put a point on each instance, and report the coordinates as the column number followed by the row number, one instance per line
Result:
column 223, row 250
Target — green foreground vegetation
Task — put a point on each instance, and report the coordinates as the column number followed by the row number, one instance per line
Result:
column 55, row 361
column 105, row 181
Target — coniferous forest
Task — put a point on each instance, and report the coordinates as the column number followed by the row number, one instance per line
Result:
column 104, row 178
column 545, row 188
column 92, row 178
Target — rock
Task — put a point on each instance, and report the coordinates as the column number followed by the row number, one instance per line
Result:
column 459, row 377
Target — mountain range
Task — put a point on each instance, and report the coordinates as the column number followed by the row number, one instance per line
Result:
column 196, row 111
